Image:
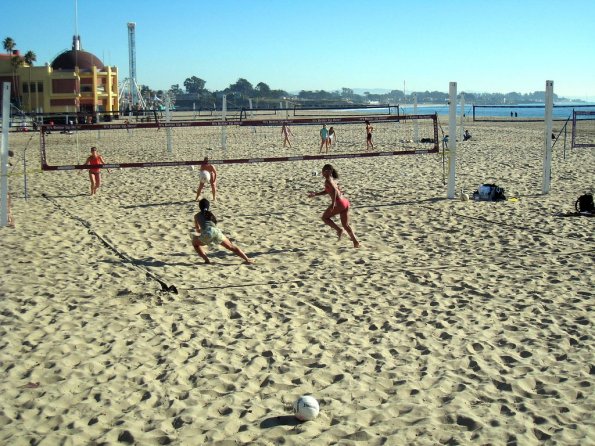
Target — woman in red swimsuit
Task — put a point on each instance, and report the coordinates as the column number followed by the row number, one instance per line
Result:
column 94, row 173
column 339, row 204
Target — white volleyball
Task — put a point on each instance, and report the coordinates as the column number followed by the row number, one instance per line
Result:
column 306, row 408
column 204, row 176
column 464, row 197
column 190, row 167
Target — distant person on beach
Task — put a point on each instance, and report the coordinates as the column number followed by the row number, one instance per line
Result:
column 330, row 139
column 286, row 132
column 445, row 142
column 323, row 136
column 94, row 159
column 205, row 224
column 207, row 174
column 369, row 130
column 339, row 204
column 466, row 135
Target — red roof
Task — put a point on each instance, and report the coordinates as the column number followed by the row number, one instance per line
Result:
column 70, row 59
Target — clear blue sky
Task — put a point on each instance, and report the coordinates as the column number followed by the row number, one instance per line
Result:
column 484, row 45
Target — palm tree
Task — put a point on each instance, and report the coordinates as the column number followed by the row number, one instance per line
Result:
column 9, row 44
column 30, row 57
column 15, row 62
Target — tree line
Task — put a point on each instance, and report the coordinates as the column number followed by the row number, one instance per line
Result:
column 16, row 61
column 242, row 92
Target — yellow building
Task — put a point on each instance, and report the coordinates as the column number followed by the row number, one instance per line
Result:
column 75, row 82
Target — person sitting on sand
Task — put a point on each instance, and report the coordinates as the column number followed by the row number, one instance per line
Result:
column 205, row 224
column 94, row 159
column 466, row 135
column 209, row 175
column 339, row 204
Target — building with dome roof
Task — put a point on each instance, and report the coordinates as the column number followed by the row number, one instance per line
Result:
column 75, row 82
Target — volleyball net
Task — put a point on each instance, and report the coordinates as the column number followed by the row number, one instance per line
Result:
column 583, row 129
column 186, row 143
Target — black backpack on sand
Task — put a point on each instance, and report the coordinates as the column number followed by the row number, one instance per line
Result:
column 585, row 204
column 489, row 192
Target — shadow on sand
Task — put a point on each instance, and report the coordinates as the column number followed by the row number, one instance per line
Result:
column 283, row 420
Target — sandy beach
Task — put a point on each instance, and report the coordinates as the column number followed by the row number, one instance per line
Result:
column 456, row 322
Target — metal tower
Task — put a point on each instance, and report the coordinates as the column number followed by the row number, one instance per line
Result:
column 132, row 58
column 129, row 92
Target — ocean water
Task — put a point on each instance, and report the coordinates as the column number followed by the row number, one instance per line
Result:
column 532, row 111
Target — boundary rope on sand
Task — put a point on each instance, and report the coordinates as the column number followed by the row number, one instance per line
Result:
column 164, row 287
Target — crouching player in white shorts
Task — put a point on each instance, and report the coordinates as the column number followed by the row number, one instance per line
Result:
column 207, row 174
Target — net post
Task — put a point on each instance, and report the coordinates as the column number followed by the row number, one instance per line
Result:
column 462, row 119
column 565, row 128
column 4, row 154
column 547, row 158
column 573, row 129
column 97, row 121
column 223, row 118
column 416, row 125
column 25, row 190
column 251, row 114
column 452, row 140
column 78, row 148
column 168, row 119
